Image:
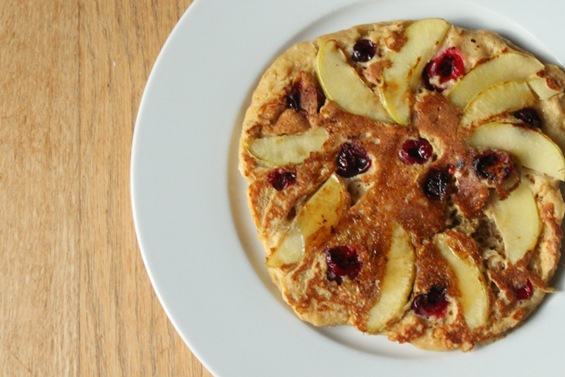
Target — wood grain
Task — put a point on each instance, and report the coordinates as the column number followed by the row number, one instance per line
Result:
column 75, row 299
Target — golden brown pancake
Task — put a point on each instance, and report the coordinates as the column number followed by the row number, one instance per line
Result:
column 404, row 180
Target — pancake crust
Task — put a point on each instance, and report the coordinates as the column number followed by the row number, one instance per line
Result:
column 387, row 204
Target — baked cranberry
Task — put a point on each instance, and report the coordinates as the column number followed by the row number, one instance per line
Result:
column 281, row 179
column 352, row 160
column 448, row 66
column 293, row 98
column 529, row 116
column 437, row 184
column 494, row 166
column 342, row 261
column 363, row 51
column 431, row 304
column 525, row 292
column 415, row 151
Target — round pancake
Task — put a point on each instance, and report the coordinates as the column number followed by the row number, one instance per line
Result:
column 380, row 199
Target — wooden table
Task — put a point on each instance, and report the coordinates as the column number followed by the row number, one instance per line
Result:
column 75, row 299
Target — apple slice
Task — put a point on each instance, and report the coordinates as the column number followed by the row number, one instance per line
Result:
column 320, row 213
column 542, row 88
column 510, row 66
column 497, row 99
column 531, row 147
column 290, row 250
column 517, row 220
column 341, row 84
column 422, row 41
column 473, row 298
column 396, row 284
column 288, row 149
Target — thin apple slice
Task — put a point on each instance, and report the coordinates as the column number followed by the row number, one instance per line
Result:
column 510, row 66
column 290, row 250
column 532, row 148
column 471, row 284
column 396, row 283
column 422, row 41
column 541, row 87
column 341, row 84
column 288, row 149
column 518, row 221
column 320, row 213
column 497, row 99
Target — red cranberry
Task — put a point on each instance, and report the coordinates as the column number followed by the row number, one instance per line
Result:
column 293, row 98
column 437, row 184
column 529, row 116
column 281, row 179
column 431, row 304
column 342, row 261
column 352, row 160
column 525, row 292
column 494, row 166
column 415, row 151
column 448, row 66
column 363, row 51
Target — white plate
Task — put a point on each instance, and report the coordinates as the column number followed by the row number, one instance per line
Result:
column 189, row 202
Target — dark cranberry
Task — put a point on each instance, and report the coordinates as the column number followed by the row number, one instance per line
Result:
column 529, row 116
column 415, row 151
column 494, row 166
column 293, row 98
column 449, row 65
column 342, row 261
column 431, row 304
column 525, row 292
column 363, row 51
column 437, row 184
column 352, row 160
column 281, row 179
